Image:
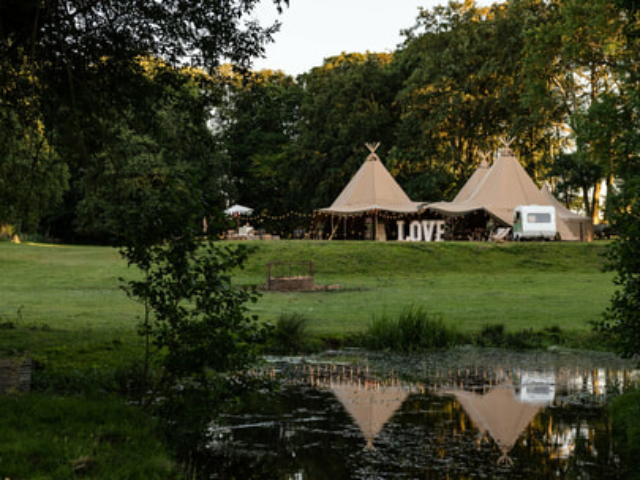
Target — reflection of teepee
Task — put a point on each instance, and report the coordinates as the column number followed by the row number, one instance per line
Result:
column 370, row 404
column 498, row 413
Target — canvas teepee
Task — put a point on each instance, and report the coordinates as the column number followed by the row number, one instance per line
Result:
column 372, row 188
column 498, row 413
column 498, row 189
column 371, row 405
column 503, row 187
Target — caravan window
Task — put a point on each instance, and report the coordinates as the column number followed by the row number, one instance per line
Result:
column 539, row 218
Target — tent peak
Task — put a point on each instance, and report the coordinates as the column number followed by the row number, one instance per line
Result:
column 372, row 146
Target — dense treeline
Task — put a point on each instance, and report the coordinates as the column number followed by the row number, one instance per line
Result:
column 99, row 134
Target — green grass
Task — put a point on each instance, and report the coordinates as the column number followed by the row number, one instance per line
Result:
column 525, row 285
column 73, row 292
column 60, row 438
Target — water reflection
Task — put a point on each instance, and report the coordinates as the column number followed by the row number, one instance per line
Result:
column 342, row 422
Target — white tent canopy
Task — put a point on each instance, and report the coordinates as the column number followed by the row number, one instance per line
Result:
column 238, row 210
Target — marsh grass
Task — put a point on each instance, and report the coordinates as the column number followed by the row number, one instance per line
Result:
column 290, row 335
column 414, row 330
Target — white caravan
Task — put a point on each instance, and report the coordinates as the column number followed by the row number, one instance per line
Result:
column 534, row 221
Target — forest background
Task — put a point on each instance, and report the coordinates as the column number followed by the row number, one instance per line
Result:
column 96, row 136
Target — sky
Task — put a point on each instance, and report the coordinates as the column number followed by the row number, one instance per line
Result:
column 313, row 30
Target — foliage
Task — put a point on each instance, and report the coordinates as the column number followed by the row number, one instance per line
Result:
column 32, row 175
column 257, row 125
column 625, row 419
column 414, row 330
column 495, row 335
column 196, row 324
column 464, row 90
column 149, row 176
column 622, row 318
column 348, row 101
column 76, row 67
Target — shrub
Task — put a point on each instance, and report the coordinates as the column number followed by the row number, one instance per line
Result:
column 413, row 331
column 625, row 419
column 290, row 334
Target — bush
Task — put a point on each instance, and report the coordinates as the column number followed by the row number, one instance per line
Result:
column 495, row 335
column 414, row 330
column 625, row 419
column 290, row 334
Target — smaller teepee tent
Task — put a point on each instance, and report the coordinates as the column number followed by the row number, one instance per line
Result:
column 498, row 191
column 371, row 190
column 498, row 413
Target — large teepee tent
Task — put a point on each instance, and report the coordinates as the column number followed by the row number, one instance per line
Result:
column 502, row 187
column 498, row 413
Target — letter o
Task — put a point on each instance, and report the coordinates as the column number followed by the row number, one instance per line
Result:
column 415, row 231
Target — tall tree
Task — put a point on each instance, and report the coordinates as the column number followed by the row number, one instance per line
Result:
column 623, row 202
column 347, row 102
column 570, row 62
column 257, row 122
column 84, row 56
column 464, row 90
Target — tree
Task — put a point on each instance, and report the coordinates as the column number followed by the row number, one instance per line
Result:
column 81, row 63
column 258, row 120
column 464, row 90
column 570, row 63
column 32, row 175
column 347, row 102
column 622, row 318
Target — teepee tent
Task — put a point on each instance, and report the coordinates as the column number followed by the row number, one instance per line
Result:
column 371, row 190
column 467, row 190
column 500, row 189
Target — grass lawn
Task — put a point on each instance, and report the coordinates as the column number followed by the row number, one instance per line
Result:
column 525, row 285
column 74, row 291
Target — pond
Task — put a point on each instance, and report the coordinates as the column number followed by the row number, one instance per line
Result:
column 462, row 414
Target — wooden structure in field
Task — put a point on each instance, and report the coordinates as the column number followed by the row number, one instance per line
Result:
column 290, row 276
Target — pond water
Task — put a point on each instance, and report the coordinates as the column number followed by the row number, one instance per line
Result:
column 462, row 414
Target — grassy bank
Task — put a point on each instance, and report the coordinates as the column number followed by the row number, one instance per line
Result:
column 471, row 285
column 59, row 292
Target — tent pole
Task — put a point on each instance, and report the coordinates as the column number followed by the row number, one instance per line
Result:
column 333, row 228
column 375, row 236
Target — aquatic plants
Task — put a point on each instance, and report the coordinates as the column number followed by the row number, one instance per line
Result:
column 414, row 330
column 290, row 334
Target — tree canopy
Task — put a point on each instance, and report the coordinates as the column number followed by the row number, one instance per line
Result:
column 103, row 96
